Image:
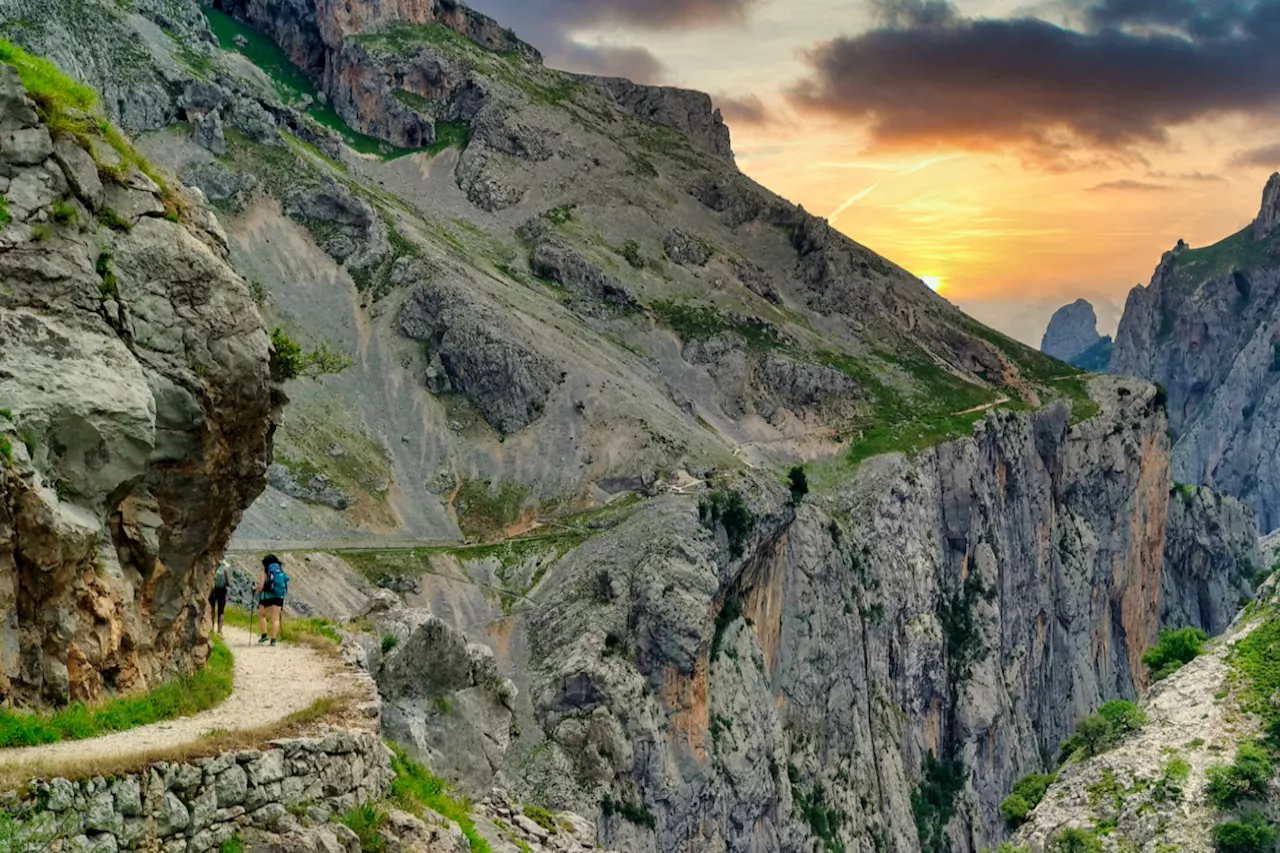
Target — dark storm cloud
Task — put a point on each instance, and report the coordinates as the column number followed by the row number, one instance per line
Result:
column 1135, row 68
column 549, row 24
column 745, row 110
column 1267, row 156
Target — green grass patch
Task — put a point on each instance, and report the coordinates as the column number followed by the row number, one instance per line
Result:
column 1076, row 840
column 541, row 817
column 180, row 697
column 1099, row 732
column 933, row 802
column 1174, row 650
column 450, row 134
column 1026, row 795
column 234, row 844
column 1246, row 779
column 1252, row 834
column 639, row 815
column 6, row 449
column 292, row 629
column 64, row 212
column 53, row 92
column 366, row 822
column 6, row 217
column 415, row 787
column 486, row 510
column 1237, row 252
column 700, row 322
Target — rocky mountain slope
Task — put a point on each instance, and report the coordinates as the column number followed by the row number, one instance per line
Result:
column 1206, row 329
column 568, row 288
column 580, row 341
column 1072, row 336
column 1180, row 778
column 136, row 405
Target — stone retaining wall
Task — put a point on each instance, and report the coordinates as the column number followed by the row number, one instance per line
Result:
column 193, row 808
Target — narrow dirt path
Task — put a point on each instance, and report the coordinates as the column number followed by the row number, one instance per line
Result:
column 983, row 407
column 270, row 684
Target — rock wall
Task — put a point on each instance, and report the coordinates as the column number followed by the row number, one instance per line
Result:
column 194, row 807
column 1207, row 328
column 971, row 604
column 137, row 416
column 1212, row 558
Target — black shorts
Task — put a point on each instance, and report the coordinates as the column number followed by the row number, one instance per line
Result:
column 218, row 601
column 272, row 602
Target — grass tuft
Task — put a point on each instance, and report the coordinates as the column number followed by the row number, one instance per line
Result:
column 415, row 787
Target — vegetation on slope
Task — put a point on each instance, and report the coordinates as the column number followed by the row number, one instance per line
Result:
column 181, row 697
column 1174, row 650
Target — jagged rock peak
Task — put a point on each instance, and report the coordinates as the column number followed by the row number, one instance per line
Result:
column 1072, row 330
column 1269, row 216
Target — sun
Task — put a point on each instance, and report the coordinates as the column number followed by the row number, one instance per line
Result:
column 934, row 282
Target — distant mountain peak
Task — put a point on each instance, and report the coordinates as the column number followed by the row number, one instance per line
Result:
column 1072, row 330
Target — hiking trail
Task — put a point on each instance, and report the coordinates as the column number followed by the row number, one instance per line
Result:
column 270, row 684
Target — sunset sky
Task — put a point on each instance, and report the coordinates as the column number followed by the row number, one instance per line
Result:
column 1024, row 154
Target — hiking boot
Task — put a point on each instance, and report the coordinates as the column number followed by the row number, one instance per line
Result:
column 273, row 642
column 262, row 639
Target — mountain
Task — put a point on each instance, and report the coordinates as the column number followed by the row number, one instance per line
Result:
column 1205, row 329
column 556, row 359
column 1072, row 336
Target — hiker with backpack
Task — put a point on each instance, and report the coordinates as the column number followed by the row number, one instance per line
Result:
column 218, row 597
column 271, row 592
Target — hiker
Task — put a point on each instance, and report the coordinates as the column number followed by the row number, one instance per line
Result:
column 271, row 592
column 218, row 597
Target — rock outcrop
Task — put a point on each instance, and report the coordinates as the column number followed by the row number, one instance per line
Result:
column 1072, row 331
column 475, row 350
column 443, row 697
column 1205, row 329
column 137, row 415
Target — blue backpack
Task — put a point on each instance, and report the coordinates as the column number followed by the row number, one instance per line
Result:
column 277, row 585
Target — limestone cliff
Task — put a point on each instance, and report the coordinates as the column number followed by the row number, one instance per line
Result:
column 1207, row 328
column 969, row 604
column 135, row 413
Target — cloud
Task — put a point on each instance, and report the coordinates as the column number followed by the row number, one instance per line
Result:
column 549, row 25
column 1267, row 156
column 1129, row 186
column 928, row 76
column 748, row 109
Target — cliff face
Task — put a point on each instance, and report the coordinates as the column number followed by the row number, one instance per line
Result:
column 136, row 416
column 1207, row 328
column 970, row 604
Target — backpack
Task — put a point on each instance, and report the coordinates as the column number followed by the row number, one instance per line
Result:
column 220, row 577
column 277, row 582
